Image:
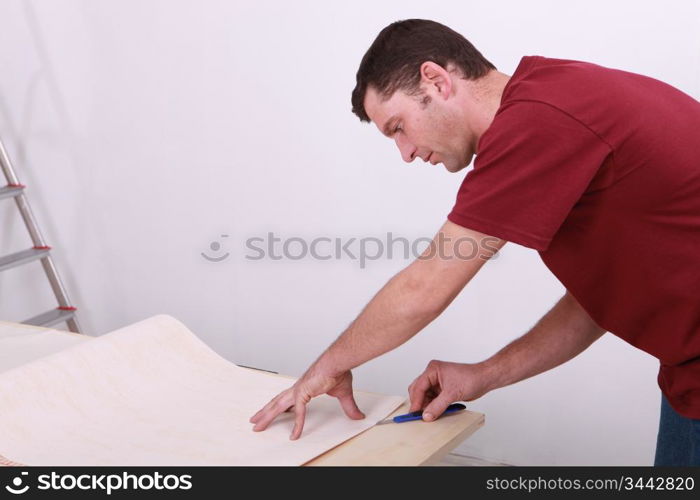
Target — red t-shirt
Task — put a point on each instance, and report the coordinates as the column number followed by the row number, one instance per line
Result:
column 599, row 170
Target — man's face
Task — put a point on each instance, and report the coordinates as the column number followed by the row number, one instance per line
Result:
column 427, row 126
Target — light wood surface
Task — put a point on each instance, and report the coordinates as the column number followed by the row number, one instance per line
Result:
column 409, row 443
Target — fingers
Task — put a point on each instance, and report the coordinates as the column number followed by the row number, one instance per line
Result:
column 254, row 419
column 271, row 410
column 417, row 392
column 437, row 406
column 432, row 391
column 299, row 416
column 347, row 402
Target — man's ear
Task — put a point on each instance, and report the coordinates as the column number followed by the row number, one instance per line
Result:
column 436, row 78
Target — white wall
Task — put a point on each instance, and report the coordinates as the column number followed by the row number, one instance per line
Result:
column 146, row 129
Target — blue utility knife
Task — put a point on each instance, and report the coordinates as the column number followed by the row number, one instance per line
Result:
column 418, row 415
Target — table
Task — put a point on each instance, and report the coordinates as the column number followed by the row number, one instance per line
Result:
column 410, row 443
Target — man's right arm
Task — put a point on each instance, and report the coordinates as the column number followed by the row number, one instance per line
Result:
column 561, row 334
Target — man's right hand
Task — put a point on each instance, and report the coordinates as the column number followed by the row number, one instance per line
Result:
column 442, row 383
column 313, row 383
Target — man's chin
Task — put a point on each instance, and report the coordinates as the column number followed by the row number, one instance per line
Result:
column 452, row 168
column 455, row 167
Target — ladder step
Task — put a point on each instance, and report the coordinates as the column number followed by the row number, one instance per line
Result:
column 10, row 191
column 50, row 318
column 19, row 258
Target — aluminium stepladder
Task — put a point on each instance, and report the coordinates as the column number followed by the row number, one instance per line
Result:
column 40, row 251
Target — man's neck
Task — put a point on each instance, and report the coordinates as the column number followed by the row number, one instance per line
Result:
column 486, row 94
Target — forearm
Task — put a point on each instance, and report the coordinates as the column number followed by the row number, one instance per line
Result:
column 411, row 299
column 564, row 332
column 402, row 308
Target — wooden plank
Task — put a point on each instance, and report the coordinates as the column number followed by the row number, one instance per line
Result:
column 408, row 443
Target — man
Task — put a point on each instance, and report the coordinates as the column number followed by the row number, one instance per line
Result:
column 596, row 169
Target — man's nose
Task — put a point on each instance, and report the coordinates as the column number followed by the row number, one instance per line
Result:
column 408, row 150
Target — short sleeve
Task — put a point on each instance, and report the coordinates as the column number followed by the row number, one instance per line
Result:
column 533, row 164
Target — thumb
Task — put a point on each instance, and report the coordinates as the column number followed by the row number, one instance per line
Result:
column 436, row 407
column 349, row 405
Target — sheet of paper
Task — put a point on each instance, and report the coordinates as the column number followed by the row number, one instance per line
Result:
column 153, row 394
column 20, row 344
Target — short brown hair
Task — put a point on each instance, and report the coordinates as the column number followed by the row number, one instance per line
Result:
column 394, row 59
